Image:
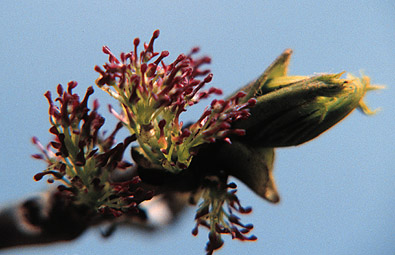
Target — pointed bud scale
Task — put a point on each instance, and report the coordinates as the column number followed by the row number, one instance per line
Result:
column 291, row 110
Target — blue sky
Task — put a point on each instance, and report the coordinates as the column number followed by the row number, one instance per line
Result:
column 338, row 191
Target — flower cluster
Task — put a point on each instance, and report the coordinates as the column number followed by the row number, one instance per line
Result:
column 84, row 161
column 153, row 95
column 216, row 213
column 275, row 110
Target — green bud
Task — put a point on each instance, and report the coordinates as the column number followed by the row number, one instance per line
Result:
column 292, row 110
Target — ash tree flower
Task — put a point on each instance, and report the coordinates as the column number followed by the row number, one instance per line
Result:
column 153, row 95
column 235, row 137
column 83, row 160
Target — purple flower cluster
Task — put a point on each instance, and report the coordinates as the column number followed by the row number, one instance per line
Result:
column 153, row 94
column 83, row 160
column 217, row 213
column 275, row 110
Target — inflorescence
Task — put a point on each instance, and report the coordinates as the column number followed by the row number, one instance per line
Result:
column 153, row 94
column 275, row 110
column 217, row 213
column 82, row 160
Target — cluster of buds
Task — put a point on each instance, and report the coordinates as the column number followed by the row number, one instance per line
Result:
column 217, row 213
column 84, row 161
column 153, row 95
column 275, row 110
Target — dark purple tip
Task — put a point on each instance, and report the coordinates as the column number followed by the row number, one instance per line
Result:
column 161, row 124
column 35, row 140
column 37, row 156
column 59, row 89
column 195, row 231
column 38, row 176
column 106, row 50
column 156, row 34
column 48, row 96
column 208, row 78
column 54, row 130
column 195, row 50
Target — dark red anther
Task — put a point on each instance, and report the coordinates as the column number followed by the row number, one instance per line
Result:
column 106, row 50
column 35, row 140
column 224, row 126
column 59, row 89
column 70, row 86
column 194, row 50
column 123, row 57
column 195, row 231
column 245, row 210
column 194, row 83
column 99, row 70
column 249, row 226
column 49, row 98
column 37, row 156
column 156, row 34
column 208, row 78
column 150, row 47
column 180, row 58
column 216, row 91
column 203, row 60
column 50, row 180
column 84, row 103
column 161, row 124
column 38, row 176
column 54, row 130
column 136, row 43
column 234, row 219
column 240, row 94
column 252, row 238
column 215, row 242
column 55, row 145
column 203, row 95
column 55, row 174
column 163, row 54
